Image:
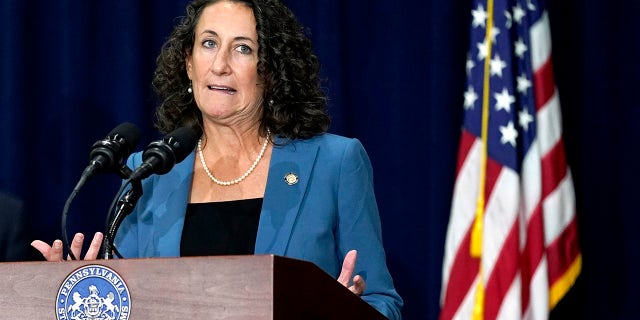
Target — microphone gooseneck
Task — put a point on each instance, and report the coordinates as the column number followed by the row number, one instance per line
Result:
column 106, row 155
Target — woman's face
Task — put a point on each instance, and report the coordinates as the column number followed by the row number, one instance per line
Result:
column 223, row 65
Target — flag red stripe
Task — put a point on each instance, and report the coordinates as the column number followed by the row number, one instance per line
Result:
column 544, row 85
column 464, row 271
column 554, row 168
column 504, row 271
column 466, row 142
column 493, row 172
column 532, row 253
column 563, row 251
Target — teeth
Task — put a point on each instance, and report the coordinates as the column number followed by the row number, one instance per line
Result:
column 229, row 91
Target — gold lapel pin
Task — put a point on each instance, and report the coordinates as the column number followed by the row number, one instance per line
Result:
column 291, row 178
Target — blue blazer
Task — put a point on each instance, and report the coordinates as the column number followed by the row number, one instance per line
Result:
column 329, row 211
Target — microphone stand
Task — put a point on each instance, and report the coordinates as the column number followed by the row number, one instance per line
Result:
column 124, row 208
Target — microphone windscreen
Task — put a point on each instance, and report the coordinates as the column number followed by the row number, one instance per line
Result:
column 182, row 140
column 129, row 132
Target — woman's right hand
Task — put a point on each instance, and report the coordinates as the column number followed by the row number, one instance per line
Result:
column 54, row 252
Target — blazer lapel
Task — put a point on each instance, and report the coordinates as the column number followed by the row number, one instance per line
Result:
column 283, row 197
column 169, row 211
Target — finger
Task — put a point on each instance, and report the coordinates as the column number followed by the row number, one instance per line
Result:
column 358, row 286
column 348, row 266
column 94, row 247
column 42, row 247
column 55, row 254
column 76, row 245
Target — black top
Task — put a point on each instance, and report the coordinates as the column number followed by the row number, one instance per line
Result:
column 220, row 228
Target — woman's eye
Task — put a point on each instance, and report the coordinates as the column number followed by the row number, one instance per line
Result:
column 244, row 49
column 208, row 44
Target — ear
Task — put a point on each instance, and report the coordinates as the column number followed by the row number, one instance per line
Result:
column 188, row 61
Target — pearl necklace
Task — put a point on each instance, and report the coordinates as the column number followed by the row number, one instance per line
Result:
column 228, row 183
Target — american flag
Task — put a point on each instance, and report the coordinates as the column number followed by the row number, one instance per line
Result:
column 512, row 242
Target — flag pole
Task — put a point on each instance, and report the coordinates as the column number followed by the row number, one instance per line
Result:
column 476, row 234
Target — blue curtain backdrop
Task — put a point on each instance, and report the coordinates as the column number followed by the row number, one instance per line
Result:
column 71, row 70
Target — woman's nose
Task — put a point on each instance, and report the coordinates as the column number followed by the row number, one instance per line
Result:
column 220, row 63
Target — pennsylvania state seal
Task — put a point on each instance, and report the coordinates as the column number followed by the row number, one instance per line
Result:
column 93, row 292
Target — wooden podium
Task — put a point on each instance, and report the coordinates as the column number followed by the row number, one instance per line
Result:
column 226, row 287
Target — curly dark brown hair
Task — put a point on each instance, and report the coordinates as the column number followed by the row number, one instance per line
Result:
column 295, row 105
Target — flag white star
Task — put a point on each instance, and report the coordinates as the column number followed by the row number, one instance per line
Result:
column 524, row 119
column 470, row 98
column 509, row 21
column 518, row 13
column 509, row 134
column 470, row 65
column 523, row 84
column 531, row 6
column 504, row 100
column 497, row 65
column 520, row 48
column 479, row 17
column 483, row 49
column 494, row 33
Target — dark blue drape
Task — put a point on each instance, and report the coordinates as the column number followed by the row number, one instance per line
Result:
column 70, row 71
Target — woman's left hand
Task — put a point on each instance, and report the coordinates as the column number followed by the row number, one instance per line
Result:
column 345, row 279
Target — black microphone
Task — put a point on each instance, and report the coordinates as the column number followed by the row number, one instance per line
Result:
column 106, row 155
column 109, row 154
column 161, row 155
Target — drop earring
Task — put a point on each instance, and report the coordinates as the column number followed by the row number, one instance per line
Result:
column 189, row 89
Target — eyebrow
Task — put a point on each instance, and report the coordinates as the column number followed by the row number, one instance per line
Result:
column 213, row 33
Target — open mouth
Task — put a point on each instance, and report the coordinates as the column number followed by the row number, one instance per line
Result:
column 222, row 89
